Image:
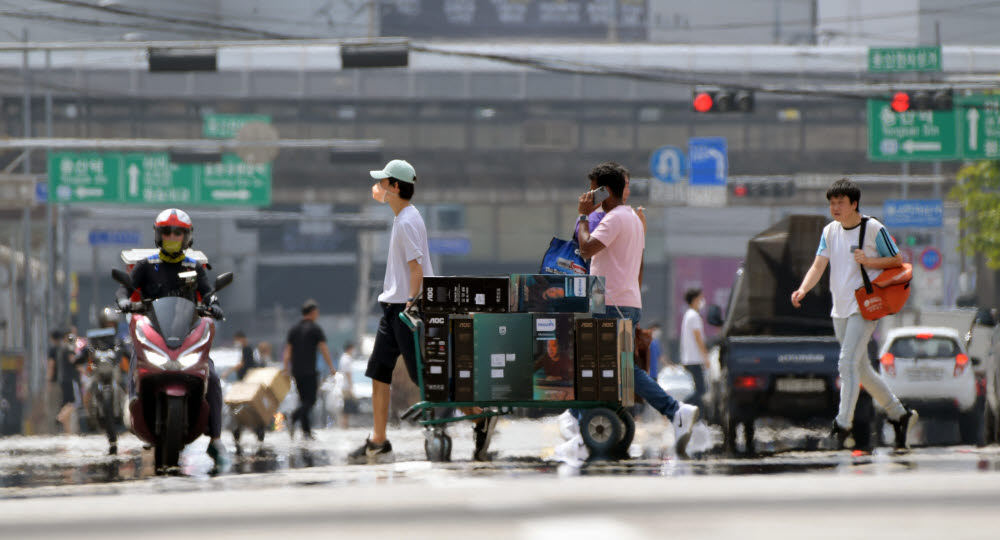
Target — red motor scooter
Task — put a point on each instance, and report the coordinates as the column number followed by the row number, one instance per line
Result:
column 172, row 337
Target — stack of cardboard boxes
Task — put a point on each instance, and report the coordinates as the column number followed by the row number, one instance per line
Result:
column 521, row 338
column 254, row 400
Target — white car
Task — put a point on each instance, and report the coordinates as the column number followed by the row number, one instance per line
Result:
column 928, row 368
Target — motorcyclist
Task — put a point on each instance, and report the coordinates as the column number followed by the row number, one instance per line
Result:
column 108, row 317
column 157, row 277
column 103, row 339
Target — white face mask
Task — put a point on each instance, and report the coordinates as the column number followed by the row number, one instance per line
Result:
column 699, row 305
column 379, row 193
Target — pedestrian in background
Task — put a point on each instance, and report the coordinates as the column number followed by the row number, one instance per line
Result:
column 248, row 360
column 347, row 384
column 407, row 264
column 58, row 349
column 299, row 359
column 841, row 247
column 655, row 348
column 694, row 353
column 615, row 249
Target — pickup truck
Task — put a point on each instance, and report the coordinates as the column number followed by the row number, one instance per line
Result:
column 774, row 360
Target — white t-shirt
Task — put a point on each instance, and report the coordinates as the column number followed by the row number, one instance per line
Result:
column 407, row 242
column 345, row 363
column 838, row 244
column 690, row 353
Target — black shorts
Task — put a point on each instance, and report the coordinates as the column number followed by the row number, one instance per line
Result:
column 393, row 339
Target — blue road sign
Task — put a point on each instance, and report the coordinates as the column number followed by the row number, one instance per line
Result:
column 41, row 192
column 930, row 258
column 119, row 237
column 668, row 164
column 913, row 213
column 449, row 245
column 709, row 161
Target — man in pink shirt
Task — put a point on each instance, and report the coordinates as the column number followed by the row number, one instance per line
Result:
column 615, row 248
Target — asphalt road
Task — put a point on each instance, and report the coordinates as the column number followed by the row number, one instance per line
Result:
column 61, row 487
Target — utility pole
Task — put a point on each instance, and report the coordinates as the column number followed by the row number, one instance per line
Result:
column 26, row 304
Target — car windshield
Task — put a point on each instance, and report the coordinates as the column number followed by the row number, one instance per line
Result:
column 916, row 347
column 174, row 317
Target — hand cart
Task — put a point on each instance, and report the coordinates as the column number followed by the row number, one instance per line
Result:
column 607, row 428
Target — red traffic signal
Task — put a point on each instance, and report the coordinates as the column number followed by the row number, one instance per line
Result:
column 900, row 102
column 703, row 102
column 721, row 100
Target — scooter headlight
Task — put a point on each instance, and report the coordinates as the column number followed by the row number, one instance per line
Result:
column 189, row 359
column 156, row 358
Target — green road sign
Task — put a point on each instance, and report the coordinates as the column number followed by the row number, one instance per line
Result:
column 226, row 126
column 979, row 117
column 897, row 59
column 134, row 178
column 911, row 135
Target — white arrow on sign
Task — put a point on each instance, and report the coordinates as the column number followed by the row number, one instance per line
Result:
column 227, row 194
column 669, row 165
column 133, row 180
column 973, row 117
column 83, row 192
column 720, row 161
column 912, row 146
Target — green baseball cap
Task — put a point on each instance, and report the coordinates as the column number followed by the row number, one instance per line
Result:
column 398, row 169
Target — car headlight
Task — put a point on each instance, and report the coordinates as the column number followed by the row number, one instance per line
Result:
column 156, row 358
column 189, row 359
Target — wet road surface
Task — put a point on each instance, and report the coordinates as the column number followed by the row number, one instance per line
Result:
column 53, row 485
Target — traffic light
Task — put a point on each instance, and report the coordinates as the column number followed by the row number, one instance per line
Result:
column 714, row 99
column 922, row 100
column 760, row 188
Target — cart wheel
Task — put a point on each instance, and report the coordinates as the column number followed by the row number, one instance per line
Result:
column 437, row 446
column 602, row 431
column 621, row 450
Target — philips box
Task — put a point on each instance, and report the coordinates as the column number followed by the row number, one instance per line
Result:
column 503, row 352
column 555, row 363
column 550, row 293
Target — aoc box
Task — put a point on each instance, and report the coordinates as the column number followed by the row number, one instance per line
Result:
column 550, row 293
column 555, row 373
column 503, row 356
column 463, row 357
column 615, row 358
column 586, row 360
column 466, row 294
column 435, row 358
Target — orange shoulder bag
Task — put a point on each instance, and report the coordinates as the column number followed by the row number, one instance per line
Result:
column 888, row 293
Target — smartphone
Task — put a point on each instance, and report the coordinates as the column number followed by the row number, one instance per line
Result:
column 600, row 194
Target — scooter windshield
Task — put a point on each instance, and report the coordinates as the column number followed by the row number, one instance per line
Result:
column 174, row 318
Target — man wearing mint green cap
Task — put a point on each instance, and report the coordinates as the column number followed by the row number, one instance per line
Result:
column 406, row 265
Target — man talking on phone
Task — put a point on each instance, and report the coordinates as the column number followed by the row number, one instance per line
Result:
column 615, row 249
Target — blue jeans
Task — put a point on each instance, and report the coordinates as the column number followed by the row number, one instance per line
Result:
column 645, row 386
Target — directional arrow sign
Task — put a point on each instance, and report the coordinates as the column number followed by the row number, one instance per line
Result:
column 133, row 180
column 911, row 146
column 911, row 135
column 981, row 130
column 972, row 128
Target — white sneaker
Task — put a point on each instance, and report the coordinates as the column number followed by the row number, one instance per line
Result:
column 684, row 421
column 572, row 452
column 569, row 426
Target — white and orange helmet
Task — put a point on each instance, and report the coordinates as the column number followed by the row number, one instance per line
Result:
column 174, row 218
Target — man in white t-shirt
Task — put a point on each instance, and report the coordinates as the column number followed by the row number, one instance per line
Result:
column 841, row 249
column 407, row 263
column 694, row 354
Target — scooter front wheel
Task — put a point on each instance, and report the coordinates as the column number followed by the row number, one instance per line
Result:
column 171, row 439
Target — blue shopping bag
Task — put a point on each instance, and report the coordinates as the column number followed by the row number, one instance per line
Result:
column 563, row 257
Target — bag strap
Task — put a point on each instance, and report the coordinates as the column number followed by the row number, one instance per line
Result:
column 861, row 245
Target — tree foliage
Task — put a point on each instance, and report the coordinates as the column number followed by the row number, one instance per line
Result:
column 978, row 191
